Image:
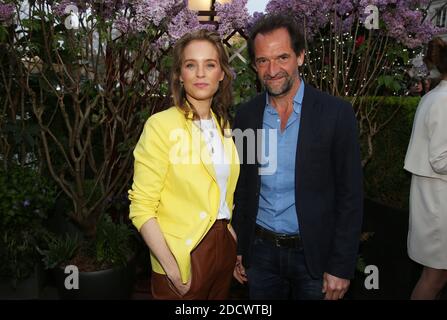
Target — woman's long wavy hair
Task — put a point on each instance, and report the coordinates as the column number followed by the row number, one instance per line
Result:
column 436, row 55
column 223, row 98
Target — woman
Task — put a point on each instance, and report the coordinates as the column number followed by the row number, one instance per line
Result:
column 186, row 169
column 426, row 159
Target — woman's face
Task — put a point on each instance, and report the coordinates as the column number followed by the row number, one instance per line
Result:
column 200, row 71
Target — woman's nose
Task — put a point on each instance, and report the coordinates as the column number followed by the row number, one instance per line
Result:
column 200, row 71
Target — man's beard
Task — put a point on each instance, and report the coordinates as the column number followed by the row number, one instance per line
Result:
column 285, row 87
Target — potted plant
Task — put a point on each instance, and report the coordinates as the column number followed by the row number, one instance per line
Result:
column 93, row 268
column 27, row 198
column 89, row 100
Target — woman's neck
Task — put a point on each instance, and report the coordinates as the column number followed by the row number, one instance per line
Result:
column 202, row 107
column 204, row 112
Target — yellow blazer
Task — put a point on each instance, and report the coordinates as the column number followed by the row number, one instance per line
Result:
column 175, row 181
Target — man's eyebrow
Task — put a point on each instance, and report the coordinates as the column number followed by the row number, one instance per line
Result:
column 282, row 55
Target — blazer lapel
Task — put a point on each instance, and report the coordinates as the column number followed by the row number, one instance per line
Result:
column 200, row 149
column 309, row 114
column 231, row 157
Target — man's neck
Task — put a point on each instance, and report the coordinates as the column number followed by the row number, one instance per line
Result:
column 284, row 103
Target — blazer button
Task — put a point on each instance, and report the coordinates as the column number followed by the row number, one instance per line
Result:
column 188, row 242
column 203, row 215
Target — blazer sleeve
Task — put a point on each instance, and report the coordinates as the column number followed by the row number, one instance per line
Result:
column 348, row 196
column 150, row 169
column 436, row 122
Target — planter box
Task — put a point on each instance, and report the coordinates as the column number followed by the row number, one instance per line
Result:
column 25, row 289
column 110, row 284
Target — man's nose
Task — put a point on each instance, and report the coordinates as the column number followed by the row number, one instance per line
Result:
column 273, row 68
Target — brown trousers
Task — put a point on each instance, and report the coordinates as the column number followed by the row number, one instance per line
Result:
column 212, row 265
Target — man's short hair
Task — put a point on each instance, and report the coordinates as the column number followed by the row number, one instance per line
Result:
column 272, row 22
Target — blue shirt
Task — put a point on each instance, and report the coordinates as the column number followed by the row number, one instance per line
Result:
column 277, row 210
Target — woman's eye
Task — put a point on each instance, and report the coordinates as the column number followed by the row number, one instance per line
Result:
column 211, row 65
column 189, row 66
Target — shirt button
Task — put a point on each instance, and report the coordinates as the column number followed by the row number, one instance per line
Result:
column 188, row 242
column 203, row 215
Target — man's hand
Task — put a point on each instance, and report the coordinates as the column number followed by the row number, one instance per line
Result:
column 334, row 287
column 239, row 271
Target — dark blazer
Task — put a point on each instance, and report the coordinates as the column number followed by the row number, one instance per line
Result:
column 328, row 183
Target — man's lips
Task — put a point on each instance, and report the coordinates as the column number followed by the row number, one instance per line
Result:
column 274, row 79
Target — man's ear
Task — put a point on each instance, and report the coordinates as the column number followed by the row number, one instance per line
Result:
column 300, row 58
column 254, row 66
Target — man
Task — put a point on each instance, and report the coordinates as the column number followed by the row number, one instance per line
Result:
column 298, row 228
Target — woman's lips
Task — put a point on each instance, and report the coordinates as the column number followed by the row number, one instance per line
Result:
column 201, row 85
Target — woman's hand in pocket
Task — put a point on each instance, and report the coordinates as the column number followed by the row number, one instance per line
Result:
column 176, row 284
column 183, row 288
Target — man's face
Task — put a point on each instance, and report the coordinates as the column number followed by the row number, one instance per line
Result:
column 276, row 62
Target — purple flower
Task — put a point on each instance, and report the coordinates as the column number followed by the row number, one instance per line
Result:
column 232, row 15
column 185, row 21
column 6, row 11
column 314, row 14
column 253, row 19
column 104, row 8
column 149, row 12
column 107, row 8
column 124, row 25
column 26, row 203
